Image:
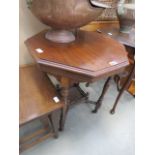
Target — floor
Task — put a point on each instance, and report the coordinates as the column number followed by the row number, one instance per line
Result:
column 94, row 134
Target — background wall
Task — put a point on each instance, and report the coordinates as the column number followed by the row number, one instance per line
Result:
column 29, row 26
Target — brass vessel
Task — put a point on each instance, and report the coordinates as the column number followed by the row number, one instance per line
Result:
column 126, row 15
column 64, row 16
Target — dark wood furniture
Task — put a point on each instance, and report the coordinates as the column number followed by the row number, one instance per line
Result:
column 93, row 26
column 91, row 57
column 126, row 39
column 125, row 82
column 36, row 102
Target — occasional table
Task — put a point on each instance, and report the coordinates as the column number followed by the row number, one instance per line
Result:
column 90, row 57
column 129, row 41
column 36, row 102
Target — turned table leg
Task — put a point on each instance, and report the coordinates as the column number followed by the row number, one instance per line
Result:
column 65, row 94
column 125, row 85
column 99, row 102
column 84, row 94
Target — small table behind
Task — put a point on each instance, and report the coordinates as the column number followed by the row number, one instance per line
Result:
column 126, row 82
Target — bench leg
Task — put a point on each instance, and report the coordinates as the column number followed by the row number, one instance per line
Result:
column 51, row 124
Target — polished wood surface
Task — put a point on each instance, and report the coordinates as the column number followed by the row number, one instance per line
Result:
column 36, row 95
column 93, row 26
column 91, row 54
column 127, row 39
column 91, row 57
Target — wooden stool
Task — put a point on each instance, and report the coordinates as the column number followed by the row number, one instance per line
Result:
column 38, row 100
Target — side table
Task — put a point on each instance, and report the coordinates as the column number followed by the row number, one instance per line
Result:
column 128, row 40
column 36, row 102
column 90, row 57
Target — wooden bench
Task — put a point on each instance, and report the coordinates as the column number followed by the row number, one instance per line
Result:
column 36, row 101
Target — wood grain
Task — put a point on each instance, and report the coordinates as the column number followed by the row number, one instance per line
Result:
column 36, row 95
column 93, row 26
column 89, row 55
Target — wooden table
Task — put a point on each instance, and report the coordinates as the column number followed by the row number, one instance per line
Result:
column 127, row 39
column 91, row 57
column 123, row 83
column 36, row 103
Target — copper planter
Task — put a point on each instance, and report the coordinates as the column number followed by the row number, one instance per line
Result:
column 64, row 16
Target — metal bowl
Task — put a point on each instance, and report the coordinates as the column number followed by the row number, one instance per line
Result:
column 64, row 16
